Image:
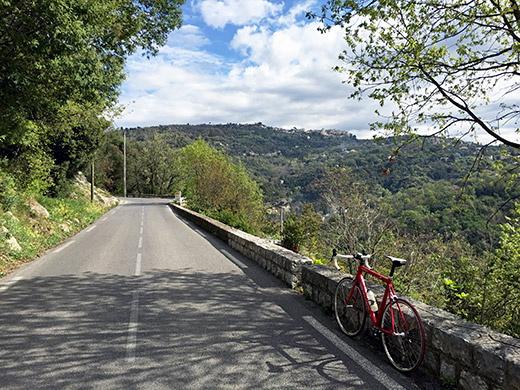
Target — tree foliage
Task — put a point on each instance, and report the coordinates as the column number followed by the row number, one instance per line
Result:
column 216, row 186
column 440, row 63
column 503, row 290
column 61, row 66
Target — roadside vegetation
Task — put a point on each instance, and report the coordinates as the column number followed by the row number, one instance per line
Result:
column 29, row 226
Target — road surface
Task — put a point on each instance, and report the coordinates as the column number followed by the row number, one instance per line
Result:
column 145, row 300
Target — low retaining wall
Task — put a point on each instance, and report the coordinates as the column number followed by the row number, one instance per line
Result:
column 464, row 353
column 283, row 263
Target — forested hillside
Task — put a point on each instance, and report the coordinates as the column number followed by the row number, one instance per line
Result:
column 429, row 185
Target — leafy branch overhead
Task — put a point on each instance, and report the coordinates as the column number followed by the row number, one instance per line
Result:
column 443, row 65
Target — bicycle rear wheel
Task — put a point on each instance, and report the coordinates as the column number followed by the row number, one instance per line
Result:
column 405, row 346
column 349, row 308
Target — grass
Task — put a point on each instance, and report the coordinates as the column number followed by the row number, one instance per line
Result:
column 37, row 234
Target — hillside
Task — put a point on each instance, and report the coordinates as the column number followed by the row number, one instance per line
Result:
column 285, row 162
column 424, row 186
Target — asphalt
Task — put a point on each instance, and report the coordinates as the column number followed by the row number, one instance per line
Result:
column 143, row 299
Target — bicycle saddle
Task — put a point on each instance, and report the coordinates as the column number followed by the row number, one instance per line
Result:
column 397, row 262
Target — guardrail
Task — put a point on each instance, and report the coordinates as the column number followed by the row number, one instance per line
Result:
column 463, row 353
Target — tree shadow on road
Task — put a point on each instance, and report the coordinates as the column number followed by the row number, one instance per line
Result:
column 194, row 331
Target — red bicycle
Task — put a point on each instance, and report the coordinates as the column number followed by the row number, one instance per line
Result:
column 398, row 323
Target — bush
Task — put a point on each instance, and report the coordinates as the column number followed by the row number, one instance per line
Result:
column 8, row 192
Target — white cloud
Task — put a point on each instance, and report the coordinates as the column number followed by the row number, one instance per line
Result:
column 285, row 79
column 218, row 13
column 291, row 17
column 283, row 76
column 188, row 36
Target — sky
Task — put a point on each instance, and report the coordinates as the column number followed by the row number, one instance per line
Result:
column 248, row 61
column 244, row 61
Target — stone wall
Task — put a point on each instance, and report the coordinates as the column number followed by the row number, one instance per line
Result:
column 469, row 355
column 464, row 353
column 283, row 263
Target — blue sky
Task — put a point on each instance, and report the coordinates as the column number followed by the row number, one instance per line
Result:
column 247, row 61
column 244, row 61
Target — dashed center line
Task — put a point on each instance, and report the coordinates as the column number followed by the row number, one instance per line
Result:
column 138, row 265
column 131, row 341
column 90, row 228
column 140, row 242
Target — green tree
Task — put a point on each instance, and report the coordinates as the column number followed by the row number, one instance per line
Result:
column 71, row 140
column 160, row 167
column 501, row 310
column 216, row 186
column 438, row 62
column 63, row 55
column 356, row 221
column 302, row 231
column 109, row 163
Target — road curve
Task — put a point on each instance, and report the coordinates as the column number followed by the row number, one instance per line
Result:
column 144, row 300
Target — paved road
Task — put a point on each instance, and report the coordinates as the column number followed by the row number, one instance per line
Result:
column 145, row 300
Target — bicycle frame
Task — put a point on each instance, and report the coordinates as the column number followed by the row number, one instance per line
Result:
column 389, row 293
column 396, row 321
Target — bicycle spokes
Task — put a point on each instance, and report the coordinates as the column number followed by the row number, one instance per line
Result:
column 404, row 340
column 349, row 307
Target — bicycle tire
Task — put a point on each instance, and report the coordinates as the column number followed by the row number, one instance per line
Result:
column 351, row 316
column 405, row 347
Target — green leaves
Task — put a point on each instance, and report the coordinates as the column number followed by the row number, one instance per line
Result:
column 436, row 61
column 63, row 55
column 220, row 188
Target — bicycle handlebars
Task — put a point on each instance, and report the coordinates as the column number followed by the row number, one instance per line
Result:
column 362, row 257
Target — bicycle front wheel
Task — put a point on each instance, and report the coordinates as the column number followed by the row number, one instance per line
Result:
column 349, row 307
column 404, row 347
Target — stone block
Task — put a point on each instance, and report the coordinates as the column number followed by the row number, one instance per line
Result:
column 513, row 371
column 495, row 354
column 431, row 360
column 468, row 381
column 455, row 339
column 448, row 370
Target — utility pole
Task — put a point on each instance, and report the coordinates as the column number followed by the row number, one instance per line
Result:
column 92, row 181
column 281, row 220
column 124, row 163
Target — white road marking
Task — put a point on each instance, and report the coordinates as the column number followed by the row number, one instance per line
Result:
column 363, row 362
column 138, row 265
column 10, row 283
column 131, row 341
column 141, row 230
column 91, row 228
column 201, row 233
column 140, row 242
column 63, row 246
column 233, row 259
